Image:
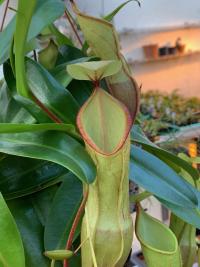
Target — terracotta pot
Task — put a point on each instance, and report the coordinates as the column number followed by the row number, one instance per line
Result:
column 151, row 51
column 181, row 48
column 172, row 50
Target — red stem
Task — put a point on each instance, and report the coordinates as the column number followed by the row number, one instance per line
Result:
column 96, row 83
column 73, row 28
column 4, row 15
column 75, row 224
column 51, row 115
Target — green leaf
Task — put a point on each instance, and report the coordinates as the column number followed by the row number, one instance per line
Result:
column 6, row 39
column 94, row 70
column 176, row 163
column 61, row 39
column 11, row 247
column 1, row 1
column 185, row 233
column 36, row 111
column 103, row 40
column 10, row 110
column 60, row 74
column 52, row 146
column 23, row 19
column 46, row 13
column 189, row 215
column 68, row 53
column 22, row 128
column 63, row 210
column 81, row 90
column 156, row 177
column 173, row 191
column 42, row 201
column 23, row 176
column 140, row 197
column 52, row 94
column 111, row 15
column 30, row 226
column 196, row 160
column 159, row 244
column 28, row 104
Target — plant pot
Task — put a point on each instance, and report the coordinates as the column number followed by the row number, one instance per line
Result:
column 163, row 51
column 150, row 51
column 181, row 48
column 172, row 50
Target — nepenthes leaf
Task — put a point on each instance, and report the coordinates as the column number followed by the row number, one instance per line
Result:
column 159, row 244
column 94, row 70
column 111, row 15
column 103, row 41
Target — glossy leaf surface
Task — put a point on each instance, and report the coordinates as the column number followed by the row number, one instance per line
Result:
column 60, row 73
column 55, row 147
column 36, row 111
column 29, row 219
column 69, row 53
column 176, row 163
column 11, row 111
column 81, row 90
column 46, row 12
column 27, row 104
column 11, row 247
column 161, row 180
column 5, row 40
column 185, row 233
column 52, row 94
column 61, row 39
column 22, row 128
column 62, row 213
column 156, row 177
column 23, row 176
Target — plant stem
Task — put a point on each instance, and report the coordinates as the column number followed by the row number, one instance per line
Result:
column 90, row 240
column 52, row 263
column 77, row 249
column 73, row 27
column 140, row 197
column 4, row 15
column 35, row 55
column 51, row 115
column 13, row 9
column 75, row 223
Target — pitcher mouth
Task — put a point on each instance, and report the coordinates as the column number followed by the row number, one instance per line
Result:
column 104, row 122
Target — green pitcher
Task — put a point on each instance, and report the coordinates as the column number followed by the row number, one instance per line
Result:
column 159, row 244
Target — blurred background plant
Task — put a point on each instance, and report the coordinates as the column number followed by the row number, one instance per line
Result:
column 161, row 113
